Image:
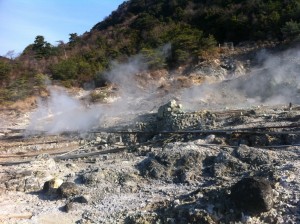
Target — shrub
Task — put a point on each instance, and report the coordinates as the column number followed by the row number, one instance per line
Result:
column 64, row 70
column 5, row 69
column 291, row 30
column 153, row 58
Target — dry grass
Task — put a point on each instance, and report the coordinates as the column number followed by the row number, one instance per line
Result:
column 188, row 81
column 23, row 105
column 152, row 78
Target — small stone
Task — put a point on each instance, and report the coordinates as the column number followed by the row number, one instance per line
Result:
column 98, row 139
column 52, row 185
column 69, row 207
column 176, row 202
column 82, row 199
column 253, row 194
column 31, row 184
column 70, row 165
column 210, row 138
column 68, row 189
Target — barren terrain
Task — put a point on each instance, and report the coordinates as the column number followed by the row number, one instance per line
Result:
column 152, row 176
column 228, row 154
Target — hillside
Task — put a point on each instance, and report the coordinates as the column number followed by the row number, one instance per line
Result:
column 165, row 34
column 165, row 112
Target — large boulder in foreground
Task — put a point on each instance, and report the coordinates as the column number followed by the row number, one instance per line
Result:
column 253, row 194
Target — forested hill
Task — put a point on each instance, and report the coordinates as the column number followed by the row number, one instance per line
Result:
column 192, row 28
column 226, row 20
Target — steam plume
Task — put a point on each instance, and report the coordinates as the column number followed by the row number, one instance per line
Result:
column 275, row 80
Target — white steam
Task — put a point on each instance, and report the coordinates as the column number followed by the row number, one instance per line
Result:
column 123, row 75
column 62, row 112
column 274, row 81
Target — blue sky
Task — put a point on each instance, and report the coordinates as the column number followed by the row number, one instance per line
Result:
column 22, row 20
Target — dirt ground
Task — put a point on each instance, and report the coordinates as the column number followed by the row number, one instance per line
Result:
column 176, row 177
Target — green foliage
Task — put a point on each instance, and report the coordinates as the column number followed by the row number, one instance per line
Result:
column 192, row 28
column 154, row 24
column 85, row 72
column 42, row 48
column 20, row 89
column 64, row 70
column 187, row 43
column 5, row 69
column 244, row 20
column 73, row 39
column 39, row 43
column 291, row 30
column 144, row 21
column 25, row 85
column 98, row 96
column 17, row 81
column 4, row 96
column 77, row 71
column 137, row 6
column 40, row 80
column 154, row 58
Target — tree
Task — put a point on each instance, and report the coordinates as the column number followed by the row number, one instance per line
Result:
column 41, row 47
column 291, row 30
column 145, row 21
column 154, row 58
column 185, row 43
column 73, row 39
column 39, row 42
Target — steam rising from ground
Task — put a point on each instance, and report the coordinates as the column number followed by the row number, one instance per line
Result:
column 275, row 81
column 123, row 75
column 61, row 113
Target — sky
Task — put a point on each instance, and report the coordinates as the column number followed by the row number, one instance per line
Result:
column 22, row 20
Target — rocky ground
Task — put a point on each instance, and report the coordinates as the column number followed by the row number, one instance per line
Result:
column 229, row 166
column 230, row 154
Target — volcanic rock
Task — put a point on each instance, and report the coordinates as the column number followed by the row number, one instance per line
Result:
column 179, row 165
column 67, row 189
column 169, row 108
column 52, row 185
column 253, row 156
column 82, row 199
column 253, row 194
column 226, row 165
column 31, row 184
column 20, row 181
